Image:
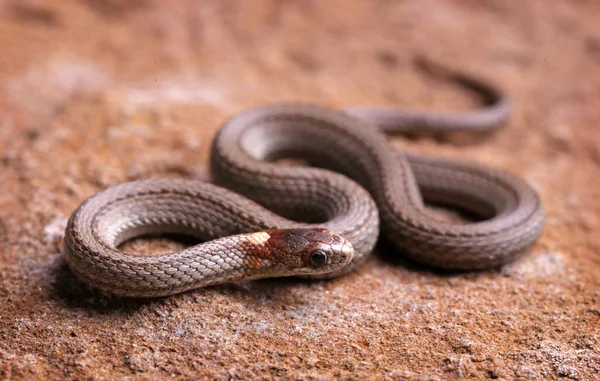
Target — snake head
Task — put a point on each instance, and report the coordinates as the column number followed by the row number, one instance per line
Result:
column 306, row 251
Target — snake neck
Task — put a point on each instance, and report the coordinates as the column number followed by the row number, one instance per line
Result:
column 225, row 260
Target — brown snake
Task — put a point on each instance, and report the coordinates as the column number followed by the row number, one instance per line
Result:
column 245, row 240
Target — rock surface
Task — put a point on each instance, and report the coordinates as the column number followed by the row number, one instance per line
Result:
column 94, row 93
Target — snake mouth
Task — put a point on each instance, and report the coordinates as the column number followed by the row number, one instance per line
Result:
column 311, row 271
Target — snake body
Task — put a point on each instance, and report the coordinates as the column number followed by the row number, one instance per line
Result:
column 320, row 221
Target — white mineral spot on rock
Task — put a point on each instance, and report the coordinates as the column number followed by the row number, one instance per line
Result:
column 173, row 90
column 55, row 230
column 536, row 265
column 54, row 81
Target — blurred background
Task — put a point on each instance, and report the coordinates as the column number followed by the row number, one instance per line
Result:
column 93, row 93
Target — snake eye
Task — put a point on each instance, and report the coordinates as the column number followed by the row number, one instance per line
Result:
column 318, row 258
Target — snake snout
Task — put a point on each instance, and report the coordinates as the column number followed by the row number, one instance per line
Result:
column 343, row 250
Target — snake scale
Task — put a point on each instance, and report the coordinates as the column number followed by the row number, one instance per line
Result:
column 357, row 184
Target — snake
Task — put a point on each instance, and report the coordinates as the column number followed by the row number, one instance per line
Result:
column 261, row 218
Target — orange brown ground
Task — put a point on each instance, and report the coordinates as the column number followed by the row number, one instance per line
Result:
column 94, row 92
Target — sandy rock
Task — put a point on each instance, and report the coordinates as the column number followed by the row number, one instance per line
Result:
column 93, row 93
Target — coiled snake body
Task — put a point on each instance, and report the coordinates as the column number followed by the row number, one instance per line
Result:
column 259, row 236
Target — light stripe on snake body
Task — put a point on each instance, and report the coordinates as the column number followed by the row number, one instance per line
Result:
column 242, row 152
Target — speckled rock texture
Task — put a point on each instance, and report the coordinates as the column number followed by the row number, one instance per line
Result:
column 93, row 93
